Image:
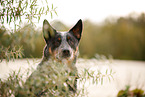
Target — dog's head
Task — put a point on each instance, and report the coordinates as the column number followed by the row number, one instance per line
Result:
column 62, row 45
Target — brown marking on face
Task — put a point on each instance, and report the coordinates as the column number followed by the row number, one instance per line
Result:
column 59, row 39
column 50, row 51
column 68, row 38
column 76, row 50
column 53, row 54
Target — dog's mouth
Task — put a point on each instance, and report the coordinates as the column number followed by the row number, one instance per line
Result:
column 64, row 55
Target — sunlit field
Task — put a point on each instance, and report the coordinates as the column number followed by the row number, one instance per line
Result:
column 124, row 73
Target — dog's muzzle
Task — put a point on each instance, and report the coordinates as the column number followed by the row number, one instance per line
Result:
column 66, row 53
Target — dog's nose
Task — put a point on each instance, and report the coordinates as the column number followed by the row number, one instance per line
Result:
column 65, row 53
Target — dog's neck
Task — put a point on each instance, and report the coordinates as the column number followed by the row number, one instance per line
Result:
column 66, row 65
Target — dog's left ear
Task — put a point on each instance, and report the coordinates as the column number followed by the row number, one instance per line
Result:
column 48, row 31
column 77, row 30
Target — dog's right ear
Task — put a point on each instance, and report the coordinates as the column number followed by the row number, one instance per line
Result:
column 48, row 31
column 77, row 30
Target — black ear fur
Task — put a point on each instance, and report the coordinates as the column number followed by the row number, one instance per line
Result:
column 77, row 30
column 48, row 31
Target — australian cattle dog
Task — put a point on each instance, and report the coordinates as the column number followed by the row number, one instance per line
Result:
column 62, row 48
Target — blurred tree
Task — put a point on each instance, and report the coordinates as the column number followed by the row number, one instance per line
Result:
column 123, row 39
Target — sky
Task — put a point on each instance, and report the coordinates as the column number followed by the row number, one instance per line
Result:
column 70, row 11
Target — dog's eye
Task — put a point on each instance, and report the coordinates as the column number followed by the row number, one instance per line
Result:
column 70, row 40
column 59, row 39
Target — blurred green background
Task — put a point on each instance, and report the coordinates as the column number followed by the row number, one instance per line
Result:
column 123, row 38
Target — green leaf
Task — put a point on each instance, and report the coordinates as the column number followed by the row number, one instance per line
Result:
column 35, row 10
column 111, row 71
column 38, row 18
column 109, row 79
column 47, row 8
column 102, row 81
column 12, row 1
column 51, row 15
column 55, row 12
column 52, row 6
column 40, row 10
column 7, row 16
column 112, row 77
column 107, row 71
column 46, row 1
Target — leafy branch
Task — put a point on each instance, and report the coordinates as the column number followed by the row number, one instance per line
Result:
column 10, row 53
column 16, row 12
column 13, row 10
column 95, row 77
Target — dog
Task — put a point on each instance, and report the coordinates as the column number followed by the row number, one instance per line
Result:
column 61, row 46
column 62, row 49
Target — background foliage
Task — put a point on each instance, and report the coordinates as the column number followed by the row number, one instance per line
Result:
column 123, row 39
column 18, row 39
